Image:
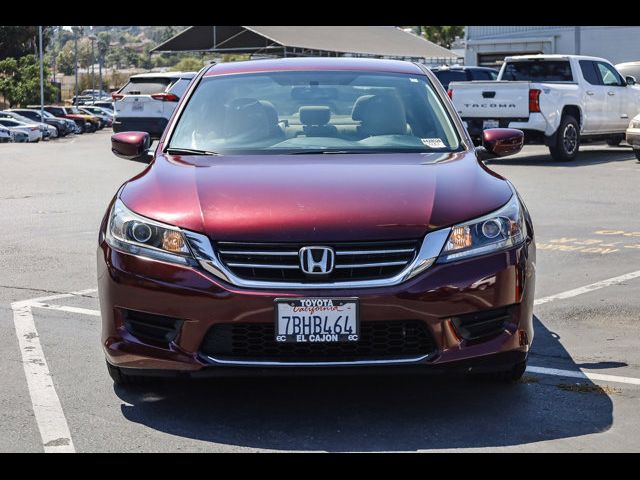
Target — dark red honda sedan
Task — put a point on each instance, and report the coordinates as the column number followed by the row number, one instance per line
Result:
column 317, row 215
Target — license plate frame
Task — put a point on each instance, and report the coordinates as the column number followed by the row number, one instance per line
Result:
column 331, row 329
column 486, row 124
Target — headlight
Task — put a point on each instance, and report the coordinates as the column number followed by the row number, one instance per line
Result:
column 634, row 123
column 138, row 235
column 499, row 230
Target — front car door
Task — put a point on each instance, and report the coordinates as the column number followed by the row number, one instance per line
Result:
column 594, row 95
column 616, row 100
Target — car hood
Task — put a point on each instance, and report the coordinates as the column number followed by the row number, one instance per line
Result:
column 315, row 197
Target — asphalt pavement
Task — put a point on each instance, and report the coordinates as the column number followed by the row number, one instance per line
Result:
column 580, row 394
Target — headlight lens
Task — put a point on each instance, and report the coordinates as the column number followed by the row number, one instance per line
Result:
column 502, row 229
column 135, row 234
column 634, row 123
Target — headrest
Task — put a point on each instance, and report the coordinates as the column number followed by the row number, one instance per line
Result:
column 382, row 114
column 252, row 118
column 314, row 115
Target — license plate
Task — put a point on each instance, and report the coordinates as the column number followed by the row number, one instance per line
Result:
column 324, row 320
column 490, row 124
column 137, row 107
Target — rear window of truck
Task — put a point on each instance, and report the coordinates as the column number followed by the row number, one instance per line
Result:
column 146, row 86
column 538, row 71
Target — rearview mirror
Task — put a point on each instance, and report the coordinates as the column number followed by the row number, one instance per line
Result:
column 131, row 145
column 500, row 142
column 630, row 80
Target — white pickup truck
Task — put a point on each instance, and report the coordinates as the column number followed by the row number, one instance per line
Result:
column 557, row 100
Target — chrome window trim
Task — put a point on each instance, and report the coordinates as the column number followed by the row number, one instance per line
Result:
column 204, row 252
column 274, row 363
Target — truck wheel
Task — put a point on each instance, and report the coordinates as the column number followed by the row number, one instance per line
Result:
column 614, row 141
column 637, row 152
column 567, row 140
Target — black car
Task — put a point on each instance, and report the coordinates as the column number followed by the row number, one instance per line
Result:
column 447, row 75
column 58, row 123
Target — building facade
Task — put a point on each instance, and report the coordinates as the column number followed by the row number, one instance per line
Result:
column 488, row 45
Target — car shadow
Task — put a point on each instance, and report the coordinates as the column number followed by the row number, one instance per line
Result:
column 379, row 413
column 603, row 154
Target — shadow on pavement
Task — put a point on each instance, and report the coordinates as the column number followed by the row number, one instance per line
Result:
column 604, row 154
column 399, row 413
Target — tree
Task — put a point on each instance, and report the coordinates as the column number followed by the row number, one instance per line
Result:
column 16, row 41
column 188, row 64
column 443, row 36
column 20, row 81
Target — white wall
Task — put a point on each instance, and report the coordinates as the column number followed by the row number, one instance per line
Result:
column 616, row 44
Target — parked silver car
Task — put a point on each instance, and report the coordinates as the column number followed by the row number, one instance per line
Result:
column 5, row 135
column 633, row 135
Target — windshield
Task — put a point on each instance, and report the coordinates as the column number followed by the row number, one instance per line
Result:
column 315, row 112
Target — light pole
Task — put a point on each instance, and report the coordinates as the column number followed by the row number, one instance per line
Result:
column 93, row 38
column 41, row 75
column 75, row 44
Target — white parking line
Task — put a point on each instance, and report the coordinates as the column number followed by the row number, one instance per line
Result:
column 588, row 288
column 47, row 409
column 64, row 308
column 584, row 375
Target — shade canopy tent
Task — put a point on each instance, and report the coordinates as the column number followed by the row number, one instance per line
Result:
column 374, row 41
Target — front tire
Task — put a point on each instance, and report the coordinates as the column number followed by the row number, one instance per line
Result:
column 637, row 152
column 567, row 142
column 614, row 141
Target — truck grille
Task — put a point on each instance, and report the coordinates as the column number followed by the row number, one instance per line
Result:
column 378, row 340
column 281, row 261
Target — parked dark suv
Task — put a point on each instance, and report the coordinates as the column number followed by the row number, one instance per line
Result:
column 454, row 73
column 319, row 214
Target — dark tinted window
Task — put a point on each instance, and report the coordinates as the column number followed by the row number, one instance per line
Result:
column 29, row 114
column 56, row 110
column 483, row 75
column 538, row 71
column 589, row 72
column 448, row 76
column 146, row 86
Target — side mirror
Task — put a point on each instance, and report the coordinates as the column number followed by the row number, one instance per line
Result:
column 630, row 80
column 500, row 142
column 131, row 145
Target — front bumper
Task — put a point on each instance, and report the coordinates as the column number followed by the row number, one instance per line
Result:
column 535, row 126
column 442, row 292
column 633, row 137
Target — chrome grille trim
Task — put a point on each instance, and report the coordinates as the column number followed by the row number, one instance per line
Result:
column 231, row 252
column 283, row 261
column 259, row 265
column 371, row 265
column 373, row 252
column 208, row 259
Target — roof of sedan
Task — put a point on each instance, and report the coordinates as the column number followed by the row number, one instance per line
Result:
column 314, row 63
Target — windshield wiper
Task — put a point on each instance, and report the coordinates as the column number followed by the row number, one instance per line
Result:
column 189, row 151
column 330, row 152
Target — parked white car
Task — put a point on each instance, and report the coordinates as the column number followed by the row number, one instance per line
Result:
column 148, row 100
column 558, row 100
column 34, row 134
column 5, row 135
column 633, row 135
column 45, row 129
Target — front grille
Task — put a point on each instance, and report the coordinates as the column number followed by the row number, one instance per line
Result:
column 151, row 328
column 378, row 340
column 482, row 324
column 281, row 261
